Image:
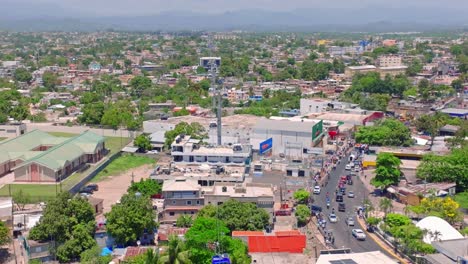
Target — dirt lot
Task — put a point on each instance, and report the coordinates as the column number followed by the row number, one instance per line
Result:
column 113, row 187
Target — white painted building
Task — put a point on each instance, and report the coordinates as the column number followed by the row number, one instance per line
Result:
column 187, row 150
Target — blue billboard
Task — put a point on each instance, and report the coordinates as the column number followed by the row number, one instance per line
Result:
column 266, row 145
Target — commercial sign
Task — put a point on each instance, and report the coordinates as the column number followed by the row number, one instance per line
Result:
column 266, row 145
column 317, row 130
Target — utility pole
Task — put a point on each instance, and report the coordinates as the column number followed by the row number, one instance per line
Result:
column 217, row 96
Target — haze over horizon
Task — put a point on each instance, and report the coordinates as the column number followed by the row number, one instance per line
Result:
column 200, row 14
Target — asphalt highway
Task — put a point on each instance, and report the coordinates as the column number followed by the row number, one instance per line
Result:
column 341, row 231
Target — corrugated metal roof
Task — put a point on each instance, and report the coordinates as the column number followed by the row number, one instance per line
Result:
column 58, row 156
column 246, row 233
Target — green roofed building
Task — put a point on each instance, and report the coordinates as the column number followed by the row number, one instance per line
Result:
column 40, row 157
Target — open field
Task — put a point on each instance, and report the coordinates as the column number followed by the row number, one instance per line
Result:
column 462, row 199
column 121, row 165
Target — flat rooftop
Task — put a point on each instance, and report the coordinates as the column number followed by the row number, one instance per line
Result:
column 342, row 117
column 372, row 257
column 234, row 121
column 240, row 190
column 363, row 67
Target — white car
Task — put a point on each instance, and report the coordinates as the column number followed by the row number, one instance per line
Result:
column 333, row 218
column 357, row 169
column 359, row 234
column 317, row 189
column 350, row 221
column 350, row 194
column 347, row 167
column 153, row 152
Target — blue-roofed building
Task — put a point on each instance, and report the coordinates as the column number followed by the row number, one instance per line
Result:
column 456, row 112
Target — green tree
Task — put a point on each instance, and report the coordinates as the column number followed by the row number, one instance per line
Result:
column 385, row 205
column 92, row 113
column 291, row 61
column 242, row 216
column 301, row 196
column 201, row 70
column 4, row 234
column 21, row 199
column 50, row 80
column 139, row 84
column 60, row 216
column 302, row 213
column 21, row 111
column 387, row 171
column 432, row 124
column 176, row 252
column 195, row 130
column 147, row 187
column 79, row 241
column 184, row 221
column 128, row 219
column 389, row 132
column 22, row 75
column 143, row 142
column 93, row 256
column 182, row 112
column 149, row 257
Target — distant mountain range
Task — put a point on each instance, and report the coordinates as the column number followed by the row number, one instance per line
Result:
column 369, row 19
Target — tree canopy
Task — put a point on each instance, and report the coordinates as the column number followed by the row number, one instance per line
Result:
column 237, row 215
column 143, row 142
column 146, row 187
column 201, row 239
column 128, row 220
column 448, row 168
column 68, row 221
column 302, row 213
column 195, row 130
column 22, row 75
column 301, row 196
column 387, row 171
column 389, row 132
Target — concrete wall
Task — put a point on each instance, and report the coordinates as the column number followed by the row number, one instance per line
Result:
column 286, row 142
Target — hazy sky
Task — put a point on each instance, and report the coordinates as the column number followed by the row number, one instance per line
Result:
column 146, row 7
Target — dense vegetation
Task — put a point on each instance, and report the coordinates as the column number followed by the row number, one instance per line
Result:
column 389, row 132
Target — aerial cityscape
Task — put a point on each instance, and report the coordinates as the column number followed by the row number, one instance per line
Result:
column 233, row 132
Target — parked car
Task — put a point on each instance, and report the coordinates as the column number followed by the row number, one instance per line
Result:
column 93, row 187
column 315, row 209
column 350, row 194
column 87, row 189
column 333, row 218
column 348, row 167
column 357, row 169
column 341, row 207
column 350, row 221
column 358, row 234
column 317, row 189
column 152, row 152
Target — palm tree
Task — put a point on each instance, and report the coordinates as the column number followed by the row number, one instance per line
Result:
column 151, row 257
column 176, row 252
column 385, row 205
column 184, row 221
column 368, row 206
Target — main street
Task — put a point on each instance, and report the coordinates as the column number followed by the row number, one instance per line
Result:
column 341, row 231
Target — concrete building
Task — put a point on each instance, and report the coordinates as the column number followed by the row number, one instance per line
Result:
column 12, row 130
column 40, row 157
column 308, row 106
column 205, row 62
column 187, row 150
column 341, row 51
column 449, row 252
column 372, row 257
column 290, row 138
column 350, row 71
column 181, row 196
column 260, row 194
column 392, row 70
column 389, row 61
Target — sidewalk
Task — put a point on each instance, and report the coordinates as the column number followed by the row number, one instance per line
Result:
column 382, row 244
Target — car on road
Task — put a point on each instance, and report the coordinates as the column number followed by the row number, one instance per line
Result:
column 341, row 207
column 350, row 194
column 358, row 234
column 347, row 167
column 317, row 189
column 333, row 218
column 152, row 152
column 350, row 182
column 350, row 221
column 339, row 198
column 357, row 169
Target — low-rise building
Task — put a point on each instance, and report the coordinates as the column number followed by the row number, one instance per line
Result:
column 350, row 71
column 181, row 196
column 392, row 70
column 389, row 60
column 184, row 149
column 260, row 194
column 37, row 156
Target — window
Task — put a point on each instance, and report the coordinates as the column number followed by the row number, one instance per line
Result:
column 173, row 201
column 192, row 212
column 189, row 202
column 198, row 202
column 171, row 213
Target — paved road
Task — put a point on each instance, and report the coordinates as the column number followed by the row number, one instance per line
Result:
column 341, row 231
